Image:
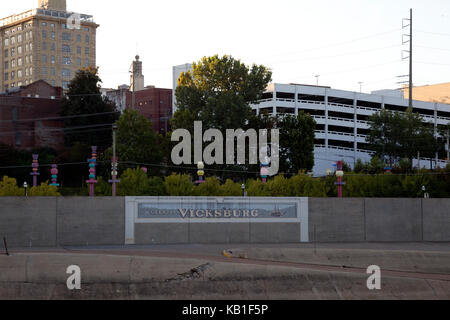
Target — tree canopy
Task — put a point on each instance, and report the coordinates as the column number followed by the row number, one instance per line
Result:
column 83, row 100
column 218, row 91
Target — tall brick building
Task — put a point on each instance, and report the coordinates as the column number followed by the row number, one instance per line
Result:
column 47, row 43
column 154, row 104
column 30, row 117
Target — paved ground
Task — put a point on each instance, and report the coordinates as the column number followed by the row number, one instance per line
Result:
column 289, row 271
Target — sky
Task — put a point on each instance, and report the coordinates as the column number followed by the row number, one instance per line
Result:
column 345, row 42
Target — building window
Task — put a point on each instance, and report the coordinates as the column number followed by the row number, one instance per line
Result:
column 53, row 83
column 31, row 47
column 79, row 50
column 13, row 75
column 5, row 76
column 31, row 59
column 53, row 36
column 86, row 51
column 86, row 29
column 86, row 63
column 52, row 59
column 65, row 85
column 44, row 70
column 27, row 72
column 66, row 60
column 19, row 38
column 14, row 114
column 44, row 24
column 66, row 48
column 6, row 65
column 31, row 71
column 13, row 52
column 26, row 36
column 19, row 74
column 64, row 26
column 52, row 71
column 44, row 34
column 19, row 83
column 78, row 37
column 86, row 39
column 52, row 47
column 6, row 42
column 13, row 40
column 19, row 50
column 18, row 137
column 44, row 45
column 79, row 62
column 13, row 63
column 31, row 34
column 19, row 62
column 44, row 58
column 52, row 25
column 66, row 73
column 66, row 36
column 6, row 53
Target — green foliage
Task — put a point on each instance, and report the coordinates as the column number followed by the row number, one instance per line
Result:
column 178, row 185
column 84, row 97
column 9, row 188
column 211, row 187
column 296, row 142
column 218, row 92
column 136, row 141
column 135, row 182
column 303, row 185
column 395, row 135
column 44, row 190
column 230, row 189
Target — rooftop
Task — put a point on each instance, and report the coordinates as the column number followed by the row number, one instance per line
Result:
column 44, row 13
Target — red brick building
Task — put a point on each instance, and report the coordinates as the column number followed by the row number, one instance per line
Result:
column 154, row 104
column 29, row 117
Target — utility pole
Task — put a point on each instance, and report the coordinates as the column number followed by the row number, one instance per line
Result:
column 410, row 58
column 410, row 35
column 317, row 79
column 360, row 86
column 114, row 180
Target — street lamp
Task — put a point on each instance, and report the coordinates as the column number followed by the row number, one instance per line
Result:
column 243, row 190
column 25, row 185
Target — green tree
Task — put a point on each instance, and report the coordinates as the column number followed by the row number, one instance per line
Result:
column 9, row 188
column 136, row 142
column 296, row 142
column 395, row 135
column 218, row 91
column 83, row 99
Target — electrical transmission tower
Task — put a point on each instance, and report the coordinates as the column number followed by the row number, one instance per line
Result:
column 409, row 23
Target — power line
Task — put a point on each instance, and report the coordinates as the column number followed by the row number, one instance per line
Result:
column 64, row 117
column 57, row 129
column 334, row 44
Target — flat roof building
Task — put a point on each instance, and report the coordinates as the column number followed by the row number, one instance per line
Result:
column 342, row 118
column 47, row 43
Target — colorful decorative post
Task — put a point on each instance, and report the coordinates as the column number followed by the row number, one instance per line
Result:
column 339, row 175
column 92, row 164
column 35, row 166
column 200, row 173
column 114, row 179
column 264, row 172
column 54, row 172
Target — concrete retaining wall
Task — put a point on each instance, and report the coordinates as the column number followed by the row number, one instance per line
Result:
column 51, row 222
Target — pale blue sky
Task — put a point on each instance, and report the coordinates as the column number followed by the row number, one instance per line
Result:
column 283, row 35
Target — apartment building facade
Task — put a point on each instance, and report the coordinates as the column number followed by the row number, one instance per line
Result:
column 46, row 43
